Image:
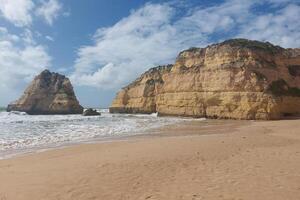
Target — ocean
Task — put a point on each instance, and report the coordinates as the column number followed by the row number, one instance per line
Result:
column 21, row 133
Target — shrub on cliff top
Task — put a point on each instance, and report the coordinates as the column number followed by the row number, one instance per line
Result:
column 253, row 44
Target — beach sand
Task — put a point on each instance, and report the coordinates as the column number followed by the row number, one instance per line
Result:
column 229, row 160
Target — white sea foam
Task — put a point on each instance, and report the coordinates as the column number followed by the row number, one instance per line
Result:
column 19, row 131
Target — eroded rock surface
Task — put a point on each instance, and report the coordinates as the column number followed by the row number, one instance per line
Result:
column 238, row 79
column 48, row 93
column 91, row 112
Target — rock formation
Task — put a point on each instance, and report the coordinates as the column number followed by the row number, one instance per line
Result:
column 48, row 93
column 90, row 112
column 238, row 79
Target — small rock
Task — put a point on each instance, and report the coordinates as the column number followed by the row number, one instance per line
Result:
column 90, row 112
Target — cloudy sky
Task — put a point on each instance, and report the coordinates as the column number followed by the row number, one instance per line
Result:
column 104, row 45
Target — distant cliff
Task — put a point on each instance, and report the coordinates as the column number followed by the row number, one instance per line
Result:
column 48, row 93
column 238, row 79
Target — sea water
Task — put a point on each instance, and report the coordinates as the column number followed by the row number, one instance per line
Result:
column 20, row 132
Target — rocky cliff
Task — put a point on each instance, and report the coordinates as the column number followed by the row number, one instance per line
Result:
column 238, row 79
column 48, row 93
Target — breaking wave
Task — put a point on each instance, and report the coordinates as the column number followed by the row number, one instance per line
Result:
column 19, row 131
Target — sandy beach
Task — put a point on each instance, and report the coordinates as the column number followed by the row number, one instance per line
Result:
column 238, row 160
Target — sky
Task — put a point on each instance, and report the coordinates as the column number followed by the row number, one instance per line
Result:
column 102, row 45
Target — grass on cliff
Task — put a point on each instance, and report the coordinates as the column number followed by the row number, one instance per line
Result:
column 294, row 70
column 192, row 49
column 253, row 44
column 281, row 88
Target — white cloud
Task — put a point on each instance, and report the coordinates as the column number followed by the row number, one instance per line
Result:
column 21, row 57
column 27, row 37
column 48, row 37
column 155, row 33
column 4, row 35
column 17, row 11
column 21, row 12
column 282, row 27
column 49, row 10
column 19, row 62
column 144, row 39
column 66, row 14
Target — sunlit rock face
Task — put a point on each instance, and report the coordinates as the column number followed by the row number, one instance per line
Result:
column 48, row 93
column 237, row 79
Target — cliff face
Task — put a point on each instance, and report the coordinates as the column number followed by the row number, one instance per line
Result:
column 239, row 79
column 48, row 93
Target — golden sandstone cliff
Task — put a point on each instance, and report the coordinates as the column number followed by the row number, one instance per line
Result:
column 238, row 79
column 48, row 93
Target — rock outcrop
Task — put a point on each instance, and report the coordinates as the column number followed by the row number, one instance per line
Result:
column 238, row 79
column 48, row 93
column 90, row 112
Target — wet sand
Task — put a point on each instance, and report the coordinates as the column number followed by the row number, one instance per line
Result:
column 226, row 160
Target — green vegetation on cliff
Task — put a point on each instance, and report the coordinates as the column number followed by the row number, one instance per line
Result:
column 294, row 70
column 281, row 88
column 253, row 44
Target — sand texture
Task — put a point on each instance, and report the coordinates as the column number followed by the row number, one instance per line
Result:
column 232, row 160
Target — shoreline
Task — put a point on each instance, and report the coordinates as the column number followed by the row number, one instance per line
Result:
column 152, row 132
column 255, row 160
column 72, row 130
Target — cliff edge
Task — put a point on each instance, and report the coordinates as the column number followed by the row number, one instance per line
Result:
column 237, row 79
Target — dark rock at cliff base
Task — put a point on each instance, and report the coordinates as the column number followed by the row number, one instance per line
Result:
column 48, row 93
column 237, row 79
column 90, row 112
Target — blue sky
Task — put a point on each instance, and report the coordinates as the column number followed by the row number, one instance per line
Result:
column 102, row 45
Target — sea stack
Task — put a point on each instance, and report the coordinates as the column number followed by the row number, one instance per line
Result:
column 48, row 93
column 91, row 112
column 237, row 79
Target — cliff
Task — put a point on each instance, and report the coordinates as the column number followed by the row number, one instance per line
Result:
column 238, row 79
column 48, row 93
